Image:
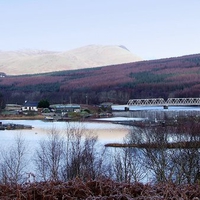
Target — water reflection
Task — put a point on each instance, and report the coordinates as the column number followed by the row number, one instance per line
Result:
column 107, row 132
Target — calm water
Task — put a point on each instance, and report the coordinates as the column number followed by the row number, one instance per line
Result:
column 107, row 132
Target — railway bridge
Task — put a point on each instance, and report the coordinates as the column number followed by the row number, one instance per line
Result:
column 165, row 104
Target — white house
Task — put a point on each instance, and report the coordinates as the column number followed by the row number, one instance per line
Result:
column 30, row 106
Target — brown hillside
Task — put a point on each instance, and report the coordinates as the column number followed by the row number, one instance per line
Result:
column 172, row 77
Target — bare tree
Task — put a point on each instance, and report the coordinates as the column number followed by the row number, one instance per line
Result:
column 158, row 159
column 179, row 163
column 82, row 158
column 14, row 162
column 127, row 164
column 154, row 155
column 69, row 155
column 187, row 160
column 49, row 156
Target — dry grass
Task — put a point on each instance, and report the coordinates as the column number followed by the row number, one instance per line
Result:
column 99, row 189
column 21, row 117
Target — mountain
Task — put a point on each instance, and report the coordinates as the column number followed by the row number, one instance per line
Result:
column 163, row 78
column 35, row 61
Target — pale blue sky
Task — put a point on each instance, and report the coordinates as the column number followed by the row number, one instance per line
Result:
column 148, row 28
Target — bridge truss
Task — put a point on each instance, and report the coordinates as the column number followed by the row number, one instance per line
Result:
column 162, row 102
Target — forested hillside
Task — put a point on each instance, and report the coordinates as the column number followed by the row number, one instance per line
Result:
column 172, row 77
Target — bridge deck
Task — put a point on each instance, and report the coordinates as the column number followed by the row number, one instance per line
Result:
column 162, row 102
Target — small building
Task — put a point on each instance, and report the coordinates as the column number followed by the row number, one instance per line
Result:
column 13, row 107
column 30, row 106
column 106, row 104
column 65, row 108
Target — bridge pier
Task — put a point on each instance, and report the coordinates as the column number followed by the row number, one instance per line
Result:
column 165, row 106
column 126, row 108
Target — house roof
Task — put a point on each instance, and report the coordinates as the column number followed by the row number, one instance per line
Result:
column 30, row 104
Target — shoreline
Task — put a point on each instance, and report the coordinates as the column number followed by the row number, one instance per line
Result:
column 41, row 117
column 107, row 132
column 21, row 117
